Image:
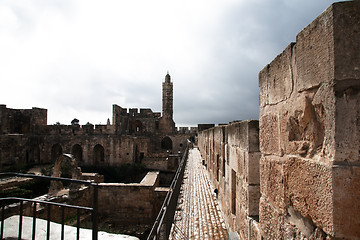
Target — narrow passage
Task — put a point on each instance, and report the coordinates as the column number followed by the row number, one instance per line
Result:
column 198, row 215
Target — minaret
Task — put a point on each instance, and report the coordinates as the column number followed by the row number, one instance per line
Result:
column 167, row 124
column 167, row 97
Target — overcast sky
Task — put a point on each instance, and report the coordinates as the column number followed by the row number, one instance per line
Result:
column 77, row 58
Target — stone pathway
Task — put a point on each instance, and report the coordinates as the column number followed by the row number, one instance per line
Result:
column 198, row 215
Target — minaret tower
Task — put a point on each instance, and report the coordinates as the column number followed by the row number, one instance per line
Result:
column 167, row 97
column 167, row 124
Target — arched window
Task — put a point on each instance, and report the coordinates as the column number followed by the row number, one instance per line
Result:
column 56, row 151
column 76, row 151
column 166, row 143
column 98, row 154
column 137, row 126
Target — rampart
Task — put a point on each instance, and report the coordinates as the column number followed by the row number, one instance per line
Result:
column 309, row 134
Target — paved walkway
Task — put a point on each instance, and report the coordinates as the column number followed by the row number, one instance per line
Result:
column 198, row 215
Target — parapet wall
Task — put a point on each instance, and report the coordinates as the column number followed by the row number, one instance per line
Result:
column 134, row 203
column 310, row 131
column 309, row 136
column 231, row 154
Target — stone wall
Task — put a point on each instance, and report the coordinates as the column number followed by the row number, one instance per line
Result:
column 309, row 133
column 231, row 155
column 135, row 203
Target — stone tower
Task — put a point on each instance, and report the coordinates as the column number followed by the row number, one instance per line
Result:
column 167, row 97
column 167, row 124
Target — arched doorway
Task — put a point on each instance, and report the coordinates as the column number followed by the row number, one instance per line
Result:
column 76, row 151
column 98, row 154
column 166, row 143
column 56, row 151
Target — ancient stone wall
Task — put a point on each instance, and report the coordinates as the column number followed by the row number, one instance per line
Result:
column 20, row 121
column 135, row 203
column 309, row 140
column 310, row 131
column 231, row 154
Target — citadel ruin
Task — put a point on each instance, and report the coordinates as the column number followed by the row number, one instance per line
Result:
column 292, row 174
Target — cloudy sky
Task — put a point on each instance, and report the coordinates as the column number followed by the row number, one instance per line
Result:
column 78, row 57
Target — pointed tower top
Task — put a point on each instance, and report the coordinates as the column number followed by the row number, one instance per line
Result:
column 167, row 77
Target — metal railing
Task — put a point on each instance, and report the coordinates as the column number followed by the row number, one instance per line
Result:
column 93, row 210
column 162, row 225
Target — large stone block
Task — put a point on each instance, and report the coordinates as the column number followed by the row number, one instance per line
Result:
column 272, row 181
column 346, row 197
column 309, row 191
column 328, row 48
column 253, row 199
column 253, row 136
column 252, row 167
column 315, row 52
column 270, row 134
column 235, row 155
column 271, row 220
column 276, row 79
column 346, row 19
column 347, row 122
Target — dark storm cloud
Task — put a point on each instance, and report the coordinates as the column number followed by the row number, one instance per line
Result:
column 251, row 34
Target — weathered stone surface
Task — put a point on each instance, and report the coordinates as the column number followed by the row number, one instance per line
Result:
column 308, row 187
column 138, row 202
column 346, row 40
column 253, row 199
column 346, row 195
column 271, row 221
column 252, row 167
column 270, row 134
column 272, row 181
column 276, row 79
column 347, row 132
column 315, row 52
column 239, row 188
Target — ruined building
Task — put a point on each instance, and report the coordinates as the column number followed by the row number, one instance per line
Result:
column 295, row 174
column 134, row 136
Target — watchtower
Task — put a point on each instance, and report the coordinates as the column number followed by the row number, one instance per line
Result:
column 167, row 124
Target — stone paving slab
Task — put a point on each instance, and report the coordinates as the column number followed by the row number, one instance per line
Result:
column 198, row 215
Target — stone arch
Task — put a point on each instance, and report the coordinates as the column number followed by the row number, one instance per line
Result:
column 166, row 143
column 65, row 166
column 98, row 154
column 56, row 151
column 77, row 152
column 137, row 126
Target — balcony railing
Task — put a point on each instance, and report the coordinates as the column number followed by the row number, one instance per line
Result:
column 162, row 225
column 93, row 210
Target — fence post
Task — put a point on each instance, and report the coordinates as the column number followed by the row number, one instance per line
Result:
column 95, row 212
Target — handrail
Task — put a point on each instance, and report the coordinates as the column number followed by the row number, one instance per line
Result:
column 87, row 182
column 46, row 202
column 169, row 201
column 94, row 209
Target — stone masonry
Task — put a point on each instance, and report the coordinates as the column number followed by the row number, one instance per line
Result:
column 231, row 155
column 302, row 178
